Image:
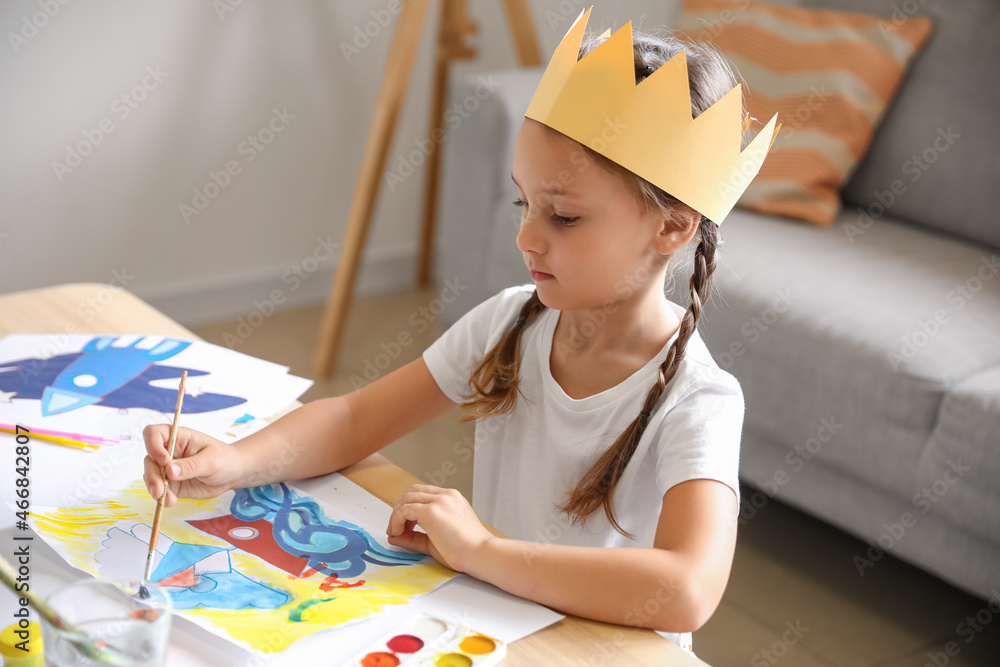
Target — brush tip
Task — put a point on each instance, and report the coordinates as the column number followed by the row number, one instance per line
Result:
column 143, row 593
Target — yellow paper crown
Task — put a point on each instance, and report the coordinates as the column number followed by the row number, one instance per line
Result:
column 647, row 128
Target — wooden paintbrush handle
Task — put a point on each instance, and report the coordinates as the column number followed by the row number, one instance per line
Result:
column 155, row 533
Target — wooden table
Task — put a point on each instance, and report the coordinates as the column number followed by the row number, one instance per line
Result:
column 92, row 308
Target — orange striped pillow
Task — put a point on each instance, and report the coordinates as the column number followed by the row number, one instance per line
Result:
column 828, row 75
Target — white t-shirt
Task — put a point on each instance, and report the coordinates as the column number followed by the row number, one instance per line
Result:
column 527, row 460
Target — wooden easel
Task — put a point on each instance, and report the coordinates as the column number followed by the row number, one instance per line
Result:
column 454, row 26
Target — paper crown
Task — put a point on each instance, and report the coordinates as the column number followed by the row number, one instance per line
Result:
column 648, row 128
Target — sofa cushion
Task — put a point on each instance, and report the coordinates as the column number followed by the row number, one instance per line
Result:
column 857, row 336
column 959, row 472
column 827, row 74
column 950, row 89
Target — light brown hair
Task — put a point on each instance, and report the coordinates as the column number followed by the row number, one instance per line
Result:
column 495, row 378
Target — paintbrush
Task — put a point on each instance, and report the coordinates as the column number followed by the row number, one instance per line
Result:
column 143, row 591
column 84, row 644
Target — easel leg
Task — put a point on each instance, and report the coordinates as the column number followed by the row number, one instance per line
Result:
column 522, row 28
column 454, row 24
column 398, row 69
column 438, row 94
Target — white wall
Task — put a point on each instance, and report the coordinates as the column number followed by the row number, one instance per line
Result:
column 221, row 69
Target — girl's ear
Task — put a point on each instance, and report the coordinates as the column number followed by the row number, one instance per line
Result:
column 677, row 230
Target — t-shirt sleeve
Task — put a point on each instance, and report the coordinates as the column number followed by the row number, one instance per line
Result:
column 699, row 437
column 453, row 356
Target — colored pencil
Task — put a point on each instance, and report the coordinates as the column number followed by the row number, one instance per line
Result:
column 68, row 442
column 166, row 484
column 82, row 437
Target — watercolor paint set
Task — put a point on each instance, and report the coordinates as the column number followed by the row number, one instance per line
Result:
column 429, row 641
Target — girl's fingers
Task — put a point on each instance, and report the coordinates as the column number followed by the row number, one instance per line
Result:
column 416, row 497
column 155, row 437
column 410, row 498
column 157, row 440
column 412, row 540
column 426, row 488
column 403, row 513
column 151, row 475
column 189, row 467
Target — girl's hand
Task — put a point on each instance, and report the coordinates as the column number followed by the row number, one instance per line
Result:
column 453, row 531
column 203, row 467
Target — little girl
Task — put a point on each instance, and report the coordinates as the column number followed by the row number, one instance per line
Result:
column 607, row 439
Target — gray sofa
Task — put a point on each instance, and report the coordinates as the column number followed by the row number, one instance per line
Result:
column 868, row 352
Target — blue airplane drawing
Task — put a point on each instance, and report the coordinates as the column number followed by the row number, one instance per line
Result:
column 106, row 375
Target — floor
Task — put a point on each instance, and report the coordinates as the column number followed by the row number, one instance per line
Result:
column 796, row 602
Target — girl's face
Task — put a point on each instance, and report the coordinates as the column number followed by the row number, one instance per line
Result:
column 581, row 225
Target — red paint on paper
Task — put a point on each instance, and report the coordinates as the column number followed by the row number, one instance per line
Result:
column 261, row 545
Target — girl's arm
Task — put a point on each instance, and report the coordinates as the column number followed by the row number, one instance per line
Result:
column 674, row 586
column 332, row 433
column 320, row 437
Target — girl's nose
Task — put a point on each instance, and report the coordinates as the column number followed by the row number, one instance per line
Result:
column 529, row 237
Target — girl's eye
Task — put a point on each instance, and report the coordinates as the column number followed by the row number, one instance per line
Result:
column 559, row 218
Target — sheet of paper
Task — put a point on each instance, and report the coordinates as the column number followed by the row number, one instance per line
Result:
column 114, row 385
column 464, row 599
column 261, row 567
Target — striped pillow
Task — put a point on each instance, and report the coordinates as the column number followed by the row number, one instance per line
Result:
column 829, row 75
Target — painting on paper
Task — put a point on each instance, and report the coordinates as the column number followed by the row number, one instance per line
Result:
column 112, row 386
column 263, row 567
